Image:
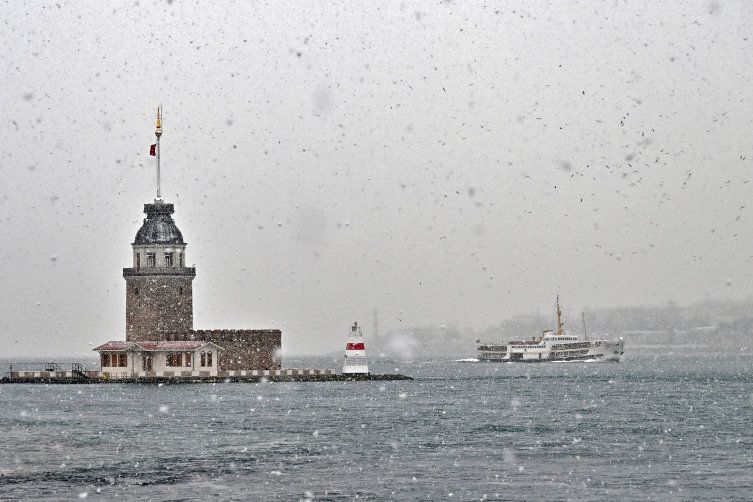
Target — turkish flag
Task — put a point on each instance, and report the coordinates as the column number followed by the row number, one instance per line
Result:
column 153, row 150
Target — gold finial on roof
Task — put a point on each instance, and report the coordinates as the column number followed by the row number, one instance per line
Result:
column 158, row 132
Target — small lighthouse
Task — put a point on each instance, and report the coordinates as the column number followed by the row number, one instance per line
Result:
column 355, row 353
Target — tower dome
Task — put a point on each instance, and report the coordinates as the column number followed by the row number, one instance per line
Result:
column 158, row 227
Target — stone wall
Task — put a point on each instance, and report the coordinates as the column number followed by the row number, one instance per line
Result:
column 243, row 349
column 156, row 304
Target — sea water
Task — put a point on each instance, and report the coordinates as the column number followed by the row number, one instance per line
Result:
column 665, row 428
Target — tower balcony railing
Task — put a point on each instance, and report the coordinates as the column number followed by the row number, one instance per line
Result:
column 145, row 271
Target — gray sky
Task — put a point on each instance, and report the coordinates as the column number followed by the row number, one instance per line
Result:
column 446, row 162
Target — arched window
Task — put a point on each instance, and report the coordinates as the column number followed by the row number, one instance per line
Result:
column 209, row 359
column 203, row 359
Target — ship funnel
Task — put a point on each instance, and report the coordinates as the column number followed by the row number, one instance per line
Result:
column 355, row 353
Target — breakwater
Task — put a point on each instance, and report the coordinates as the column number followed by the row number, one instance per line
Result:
column 188, row 380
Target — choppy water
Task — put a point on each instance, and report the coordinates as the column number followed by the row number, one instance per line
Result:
column 672, row 428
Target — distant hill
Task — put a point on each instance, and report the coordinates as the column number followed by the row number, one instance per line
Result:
column 720, row 326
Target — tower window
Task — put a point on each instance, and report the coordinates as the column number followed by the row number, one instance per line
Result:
column 168, row 259
column 138, row 261
column 181, row 260
column 150, row 259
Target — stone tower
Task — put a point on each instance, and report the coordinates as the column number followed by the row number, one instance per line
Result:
column 159, row 293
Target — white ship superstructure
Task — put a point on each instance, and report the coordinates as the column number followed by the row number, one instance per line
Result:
column 551, row 346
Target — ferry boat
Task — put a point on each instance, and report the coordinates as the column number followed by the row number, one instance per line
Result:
column 551, row 346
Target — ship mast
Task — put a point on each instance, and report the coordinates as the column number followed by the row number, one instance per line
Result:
column 584, row 325
column 559, row 317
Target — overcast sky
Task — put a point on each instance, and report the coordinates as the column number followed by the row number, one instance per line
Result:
column 445, row 162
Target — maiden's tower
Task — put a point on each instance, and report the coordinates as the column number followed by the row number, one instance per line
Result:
column 160, row 339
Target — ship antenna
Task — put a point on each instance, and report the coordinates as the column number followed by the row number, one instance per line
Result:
column 559, row 317
column 584, row 325
column 158, row 133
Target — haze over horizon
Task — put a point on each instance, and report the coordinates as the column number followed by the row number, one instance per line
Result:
column 443, row 162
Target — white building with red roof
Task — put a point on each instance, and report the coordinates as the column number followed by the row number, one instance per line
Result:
column 197, row 358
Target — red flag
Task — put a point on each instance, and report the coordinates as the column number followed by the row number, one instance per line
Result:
column 153, row 150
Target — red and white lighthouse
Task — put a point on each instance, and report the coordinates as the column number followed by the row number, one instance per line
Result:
column 355, row 353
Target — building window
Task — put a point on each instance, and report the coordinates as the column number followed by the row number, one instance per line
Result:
column 168, row 259
column 150, row 259
column 181, row 260
column 138, row 261
column 180, row 290
column 136, row 291
column 188, row 359
column 209, row 359
column 147, row 363
column 123, row 360
column 203, row 359
column 174, row 359
column 105, row 360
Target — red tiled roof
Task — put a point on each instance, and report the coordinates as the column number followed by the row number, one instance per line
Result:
column 114, row 346
column 154, row 345
column 188, row 345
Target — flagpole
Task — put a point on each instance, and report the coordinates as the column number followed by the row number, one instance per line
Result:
column 158, row 133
